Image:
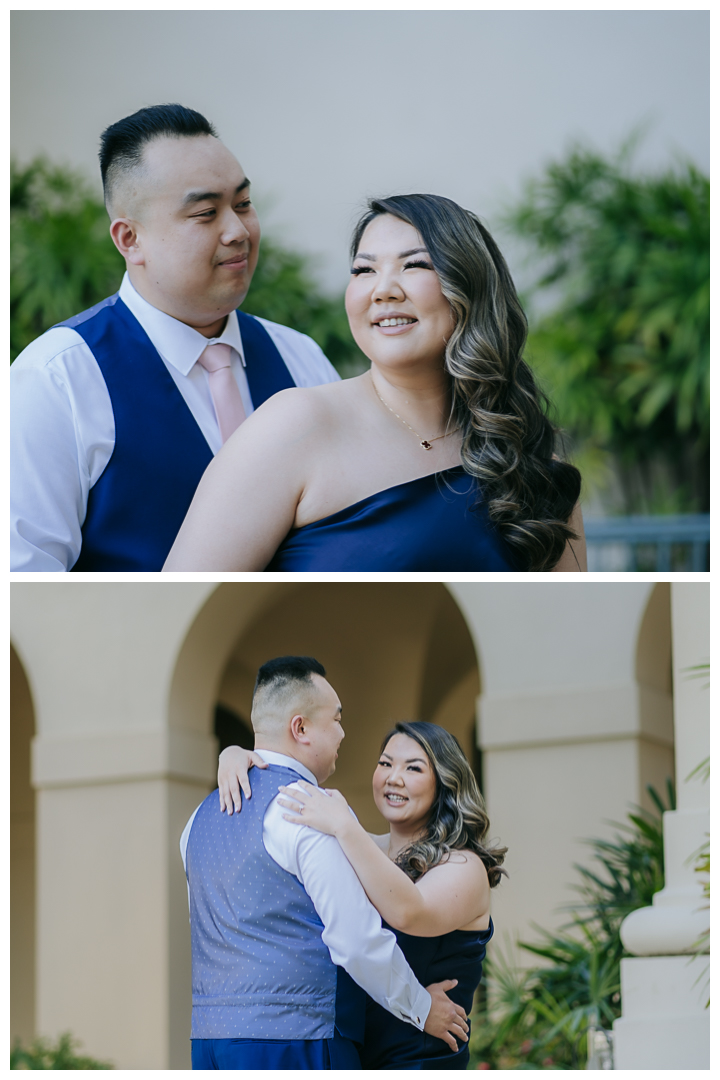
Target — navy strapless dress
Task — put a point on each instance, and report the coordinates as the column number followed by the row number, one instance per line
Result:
column 432, row 523
column 391, row 1043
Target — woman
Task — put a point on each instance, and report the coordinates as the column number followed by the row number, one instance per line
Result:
column 429, row 877
column 440, row 457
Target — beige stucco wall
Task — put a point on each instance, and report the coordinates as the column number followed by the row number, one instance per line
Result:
column 568, row 733
column 124, row 678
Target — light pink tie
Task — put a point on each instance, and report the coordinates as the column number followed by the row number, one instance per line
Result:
column 229, row 408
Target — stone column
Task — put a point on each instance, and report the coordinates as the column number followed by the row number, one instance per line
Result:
column 115, row 784
column 665, row 1024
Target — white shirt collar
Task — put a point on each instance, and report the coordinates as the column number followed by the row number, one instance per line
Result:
column 177, row 343
column 274, row 758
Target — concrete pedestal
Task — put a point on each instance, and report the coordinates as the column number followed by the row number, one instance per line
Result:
column 665, row 1024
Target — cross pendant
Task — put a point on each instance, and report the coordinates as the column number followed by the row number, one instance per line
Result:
column 425, row 444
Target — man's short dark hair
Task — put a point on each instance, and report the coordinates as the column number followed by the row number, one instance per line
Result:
column 122, row 144
column 277, row 673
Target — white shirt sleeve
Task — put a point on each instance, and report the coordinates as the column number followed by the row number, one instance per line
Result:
column 305, row 360
column 354, row 934
column 62, row 434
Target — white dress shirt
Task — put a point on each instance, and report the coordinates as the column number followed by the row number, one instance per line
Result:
column 354, row 934
column 63, row 429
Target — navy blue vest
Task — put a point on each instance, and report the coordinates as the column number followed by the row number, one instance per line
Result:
column 260, row 969
column 136, row 508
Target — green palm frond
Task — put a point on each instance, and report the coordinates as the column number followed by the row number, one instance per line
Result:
column 623, row 342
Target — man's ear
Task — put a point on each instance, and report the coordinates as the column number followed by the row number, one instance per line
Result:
column 298, row 729
column 125, row 238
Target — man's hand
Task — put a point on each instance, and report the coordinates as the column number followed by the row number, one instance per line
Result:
column 446, row 1020
column 233, row 768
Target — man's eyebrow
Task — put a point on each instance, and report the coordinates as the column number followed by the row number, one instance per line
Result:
column 203, row 196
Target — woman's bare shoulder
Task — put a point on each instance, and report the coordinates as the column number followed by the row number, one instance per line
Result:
column 303, row 405
column 466, row 858
column 382, row 840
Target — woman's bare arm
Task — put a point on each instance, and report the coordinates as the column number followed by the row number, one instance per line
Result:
column 574, row 557
column 246, row 501
column 446, row 898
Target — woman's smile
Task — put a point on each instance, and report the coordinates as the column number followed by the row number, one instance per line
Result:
column 394, row 323
column 390, row 275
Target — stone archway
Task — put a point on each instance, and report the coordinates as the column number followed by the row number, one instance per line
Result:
column 393, row 651
column 653, row 673
column 22, row 856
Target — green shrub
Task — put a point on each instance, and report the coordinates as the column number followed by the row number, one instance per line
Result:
column 43, row 1054
column 62, row 259
column 538, row 1018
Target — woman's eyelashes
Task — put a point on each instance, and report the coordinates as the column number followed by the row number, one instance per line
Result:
column 418, row 263
column 410, row 768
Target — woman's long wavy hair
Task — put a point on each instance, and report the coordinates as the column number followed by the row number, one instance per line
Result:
column 458, row 819
column 508, row 441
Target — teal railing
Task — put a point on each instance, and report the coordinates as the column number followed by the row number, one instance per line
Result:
column 676, row 543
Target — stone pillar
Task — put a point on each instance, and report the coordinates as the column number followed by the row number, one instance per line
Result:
column 664, row 1024
column 115, row 785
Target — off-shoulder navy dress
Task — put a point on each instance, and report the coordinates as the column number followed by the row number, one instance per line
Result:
column 435, row 522
column 393, row 1044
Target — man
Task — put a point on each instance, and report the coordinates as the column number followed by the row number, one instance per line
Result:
column 117, row 412
column 275, row 907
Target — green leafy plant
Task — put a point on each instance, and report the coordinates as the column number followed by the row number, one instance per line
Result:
column 44, row 1054
column 624, row 349
column 701, row 858
column 63, row 261
column 538, row 1018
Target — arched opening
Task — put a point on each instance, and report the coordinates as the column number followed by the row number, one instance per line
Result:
column 22, row 856
column 653, row 673
column 393, row 651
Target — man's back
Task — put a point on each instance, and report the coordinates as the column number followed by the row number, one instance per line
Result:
column 260, row 967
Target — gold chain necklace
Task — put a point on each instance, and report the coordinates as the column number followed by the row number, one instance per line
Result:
column 425, row 443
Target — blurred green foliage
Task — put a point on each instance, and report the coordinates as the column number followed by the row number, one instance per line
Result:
column 43, row 1054
column 63, row 261
column 538, row 1018
column 625, row 348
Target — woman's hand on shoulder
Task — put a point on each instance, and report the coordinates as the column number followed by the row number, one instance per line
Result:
column 245, row 503
column 574, row 557
column 323, row 809
column 234, row 765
